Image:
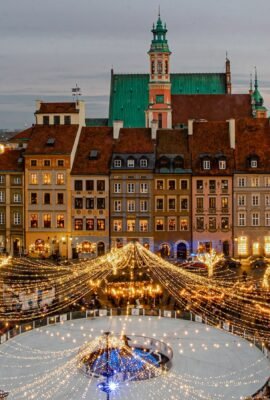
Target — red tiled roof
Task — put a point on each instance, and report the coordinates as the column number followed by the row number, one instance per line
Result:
column 214, row 107
column 252, row 138
column 64, row 136
column 211, row 138
column 9, row 161
column 57, row 108
column 23, row 135
column 134, row 140
column 173, row 142
column 93, row 138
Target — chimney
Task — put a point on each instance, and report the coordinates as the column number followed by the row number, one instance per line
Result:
column 232, row 132
column 154, row 128
column 117, row 125
column 38, row 104
column 190, row 126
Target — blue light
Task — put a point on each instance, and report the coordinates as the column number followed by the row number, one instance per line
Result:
column 113, row 386
column 108, row 387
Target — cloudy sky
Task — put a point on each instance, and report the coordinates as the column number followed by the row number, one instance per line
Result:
column 46, row 46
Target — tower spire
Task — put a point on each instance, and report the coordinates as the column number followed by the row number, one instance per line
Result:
column 256, row 79
column 250, row 84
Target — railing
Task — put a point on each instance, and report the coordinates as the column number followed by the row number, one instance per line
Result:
column 186, row 315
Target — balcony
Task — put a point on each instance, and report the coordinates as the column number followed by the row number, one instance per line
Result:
column 212, row 210
column 199, row 210
column 225, row 210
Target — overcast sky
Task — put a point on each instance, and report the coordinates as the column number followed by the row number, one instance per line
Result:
column 46, row 46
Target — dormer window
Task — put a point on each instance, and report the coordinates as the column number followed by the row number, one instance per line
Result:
column 130, row 163
column 178, row 162
column 56, row 120
column 117, row 163
column 46, row 120
column 206, row 164
column 143, row 162
column 67, row 119
column 222, row 164
column 253, row 163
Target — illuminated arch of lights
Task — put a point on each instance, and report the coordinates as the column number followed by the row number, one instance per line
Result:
column 246, row 305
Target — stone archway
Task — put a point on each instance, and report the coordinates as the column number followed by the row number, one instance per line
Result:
column 181, row 249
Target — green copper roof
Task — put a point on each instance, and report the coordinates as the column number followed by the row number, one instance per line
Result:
column 159, row 42
column 129, row 93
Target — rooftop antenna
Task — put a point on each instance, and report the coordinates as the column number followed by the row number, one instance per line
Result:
column 76, row 92
column 159, row 11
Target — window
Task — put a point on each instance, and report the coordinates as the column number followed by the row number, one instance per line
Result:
column 34, row 221
column 131, row 205
column 117, row 205
column 89, row 185
column 60, row 221
column 200, row 223
column 67, row 119
column 241, row 200
column 224, row 204
column 241, row 219
column 90, row 224
column 78, row 203
column 242, row 246
column 255, row 182
column 267, row 181
column 222, row 164
column 206, row 164
column 60, row 163
column 171, row 184
column 130, row 187
column 171, row 203
column 152, row 67
column 117, row 225
column 2, row 197
column 78, row 185
column 56, row 119
column 47, row 220
column 212, row 203
column 143, row 205
column 160, row 184
column 143, row 163
column 117, row 188
column 143, row 225
column 47, row 163
column 144, row 188
column 17, row 198
column 212, row 223
column 159, row 204
column 117, row 163
column 183, row 224
column 33, row 179
column 100, row 185
column 267, row 245
column 47, row 198
column 267, row 200
column 100, row 203
column 17, row 180
column 131, row 225
column 242, row 182
column 224, row 185
column 160, row 98
column 199, row 185
column 253, row 163
column 60, row 179
column 131, row 163
column 199, row 204
column 90, row 203
column 255, row 219
column 17, row 218
column 101, row 224
column 159, row 224
column 2, row 218
column 267, row 219
column 78, row 224
column 212, row 186
column 183, row 184
column 60, row 198
column 33, row 163
column 255, row 200
column 171, row 224
column 46, row 178
column 183, row 203
column 2, row 179
column 33, row 198
column 224, row 223
column 46, row 120
column 166, row 67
